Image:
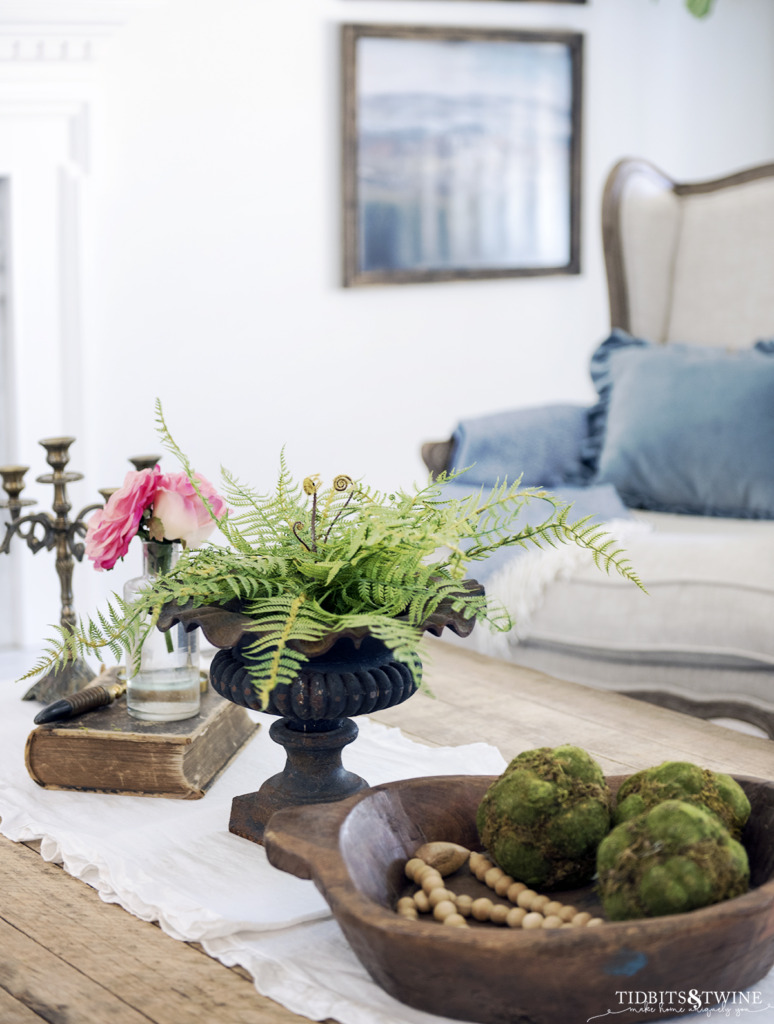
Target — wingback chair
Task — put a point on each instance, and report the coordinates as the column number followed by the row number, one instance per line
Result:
column 683, row 434
column 690, row 263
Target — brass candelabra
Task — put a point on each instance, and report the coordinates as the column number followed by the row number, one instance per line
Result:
column 43, row 530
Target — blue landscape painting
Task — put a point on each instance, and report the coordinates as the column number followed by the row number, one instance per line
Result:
column 464, row 154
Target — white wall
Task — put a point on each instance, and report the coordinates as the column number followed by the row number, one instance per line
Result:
column 210, row 244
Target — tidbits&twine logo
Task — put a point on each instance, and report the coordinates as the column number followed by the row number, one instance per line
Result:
column 659, row 1004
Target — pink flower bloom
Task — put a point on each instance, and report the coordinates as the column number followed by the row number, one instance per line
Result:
column 173, row 502
column 111, row 529
column 182, row 513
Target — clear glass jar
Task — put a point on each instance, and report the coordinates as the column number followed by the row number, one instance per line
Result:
column 166, row 686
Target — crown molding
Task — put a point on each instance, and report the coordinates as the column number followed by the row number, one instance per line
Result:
column 71, row 11
column 57, row 32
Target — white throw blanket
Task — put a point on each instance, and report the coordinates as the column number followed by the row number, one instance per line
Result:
column 520, row 586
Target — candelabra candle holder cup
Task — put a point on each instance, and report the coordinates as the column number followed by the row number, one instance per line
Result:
column 141, row 462
column 13, row 485
column 52, row 530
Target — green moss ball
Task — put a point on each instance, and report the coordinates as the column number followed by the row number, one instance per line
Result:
column 671, row 859
column 680, row 780
column 543, row 819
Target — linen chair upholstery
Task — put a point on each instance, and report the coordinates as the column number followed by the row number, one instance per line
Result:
column 691, row 263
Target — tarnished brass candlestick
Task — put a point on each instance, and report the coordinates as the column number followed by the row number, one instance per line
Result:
column 43, row 530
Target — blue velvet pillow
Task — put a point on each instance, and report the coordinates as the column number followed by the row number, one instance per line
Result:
column 682, row 428
column 541, row 444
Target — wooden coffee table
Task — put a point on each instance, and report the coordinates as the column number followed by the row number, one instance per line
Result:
column 66, row 955
column 515, row 709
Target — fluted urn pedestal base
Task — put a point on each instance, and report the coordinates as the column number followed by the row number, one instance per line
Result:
column 314, row 725
column 313, row 774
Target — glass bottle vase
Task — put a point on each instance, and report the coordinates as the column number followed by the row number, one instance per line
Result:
column 165, row 686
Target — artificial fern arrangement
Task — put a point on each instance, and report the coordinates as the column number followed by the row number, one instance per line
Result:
column 309, row 562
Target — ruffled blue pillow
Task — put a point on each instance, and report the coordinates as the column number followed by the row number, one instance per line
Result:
column 684, row 428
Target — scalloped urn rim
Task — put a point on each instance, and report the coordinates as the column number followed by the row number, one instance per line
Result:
column 225, row 625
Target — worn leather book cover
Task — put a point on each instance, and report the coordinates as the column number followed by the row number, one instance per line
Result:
column 106, row 751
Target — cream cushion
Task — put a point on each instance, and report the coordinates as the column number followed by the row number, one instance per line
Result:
column 710, row 583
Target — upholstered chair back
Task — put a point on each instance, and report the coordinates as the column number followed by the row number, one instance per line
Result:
column 690, row 263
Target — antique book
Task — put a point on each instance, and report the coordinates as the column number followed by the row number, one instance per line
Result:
column 106, row 751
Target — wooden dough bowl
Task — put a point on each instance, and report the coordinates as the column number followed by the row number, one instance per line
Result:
column 355, row 850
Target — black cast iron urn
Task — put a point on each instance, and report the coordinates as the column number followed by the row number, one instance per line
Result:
column 346, row 674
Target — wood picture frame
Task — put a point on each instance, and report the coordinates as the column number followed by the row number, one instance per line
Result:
column 461, row 153
column 545, row 1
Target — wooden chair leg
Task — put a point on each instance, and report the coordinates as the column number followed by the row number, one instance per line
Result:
column 750, row 713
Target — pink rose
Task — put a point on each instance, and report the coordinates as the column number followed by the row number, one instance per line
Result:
column 182, row 513
column 111, row 529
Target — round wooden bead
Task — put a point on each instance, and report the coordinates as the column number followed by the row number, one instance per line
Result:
column 474, row 859
column 420, row 872
column 551, row 908
column 594, row 922
column 406, row 903
column 533, row 920
column 515, row 916
column 431, row 880
column 438, row 895
column 481, row 908
column 492, row 876
column 422, row 902
column 481, row 869
column 442, row 910
column 552, row 921
column 411, row 866
column 581, row 919
column 538, row 903
column 514, row 890
column 525, row 898
column 455, row 921
column 499, row 913
column 503, row 884
column 567, row 913
column 463, row 904
column 410, row 913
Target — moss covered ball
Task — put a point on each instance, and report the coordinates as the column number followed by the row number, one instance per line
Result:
column 543, row 819
column 680, row 780
column 671, row 859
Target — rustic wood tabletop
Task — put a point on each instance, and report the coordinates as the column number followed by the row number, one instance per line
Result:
column 68, row 958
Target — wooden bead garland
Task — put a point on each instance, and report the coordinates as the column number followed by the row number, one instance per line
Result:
column 530, row 910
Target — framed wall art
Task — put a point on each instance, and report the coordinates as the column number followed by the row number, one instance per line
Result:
column 461, row 153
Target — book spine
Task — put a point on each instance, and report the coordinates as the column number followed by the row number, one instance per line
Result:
column 57, row 759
